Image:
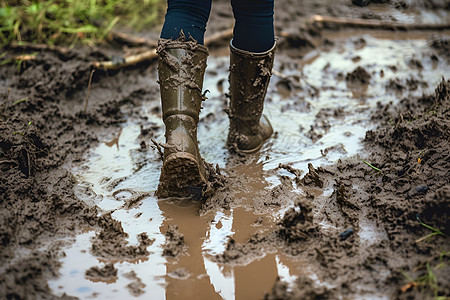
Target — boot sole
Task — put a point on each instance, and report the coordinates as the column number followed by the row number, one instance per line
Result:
column 181, row 177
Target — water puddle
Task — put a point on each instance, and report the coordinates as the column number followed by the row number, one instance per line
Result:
column 319, row 117
column 415, row 13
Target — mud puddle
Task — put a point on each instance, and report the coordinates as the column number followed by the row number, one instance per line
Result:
column 416, row 12
column 320, row 108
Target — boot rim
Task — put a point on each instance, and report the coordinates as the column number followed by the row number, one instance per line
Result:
column 191, row 45
column 249, row 54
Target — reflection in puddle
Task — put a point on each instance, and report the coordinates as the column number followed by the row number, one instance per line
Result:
column 317, row 124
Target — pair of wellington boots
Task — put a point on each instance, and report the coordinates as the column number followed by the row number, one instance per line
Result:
column 181, row 69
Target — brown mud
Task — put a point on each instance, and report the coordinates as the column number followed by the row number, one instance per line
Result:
column 300, row 230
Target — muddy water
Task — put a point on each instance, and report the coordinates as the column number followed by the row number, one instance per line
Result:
column 319, row 117
column 415, row 13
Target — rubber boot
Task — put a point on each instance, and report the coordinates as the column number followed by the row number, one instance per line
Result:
column 249, row 78
column 181, row 68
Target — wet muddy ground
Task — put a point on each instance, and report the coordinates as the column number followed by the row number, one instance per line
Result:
column 342, row 203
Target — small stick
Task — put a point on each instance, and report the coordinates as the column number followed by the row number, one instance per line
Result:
column 25, row 57
column 88, row 91
column 279, row 74
column 151, row 54
column 158, row 147
column 131, row 40
column 373, row 24
column 221, row 35
column 127, row 61
column 58, row 49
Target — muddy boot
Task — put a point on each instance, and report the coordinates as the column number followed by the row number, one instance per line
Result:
column 249, row 77
column 181, row 68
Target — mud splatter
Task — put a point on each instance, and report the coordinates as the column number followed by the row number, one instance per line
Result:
column 175, row 244
column 107, row 273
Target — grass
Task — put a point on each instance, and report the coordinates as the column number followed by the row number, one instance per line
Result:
column 426, row 283
column 71, row 21
column 430, row 235
column 21, row 133
column 375, row 168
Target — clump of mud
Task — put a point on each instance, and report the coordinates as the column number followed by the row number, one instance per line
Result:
column 174, row 245
column 110, row 243
column 106, row 274
column 297, row 224
column 309, row 290
column 358, row 76
column 406, row 195
column 136, row 287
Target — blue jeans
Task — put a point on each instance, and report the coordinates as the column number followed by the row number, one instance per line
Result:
column 253, row 30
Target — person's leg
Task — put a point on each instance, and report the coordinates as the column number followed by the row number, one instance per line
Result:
column 181, row 68
column 189, row 16
column 253, row 30
column 252, row 51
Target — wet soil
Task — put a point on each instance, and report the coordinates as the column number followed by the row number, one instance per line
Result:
column 283, row 225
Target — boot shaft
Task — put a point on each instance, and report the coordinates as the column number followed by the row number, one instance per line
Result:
column 181, row 67
column 249, row 78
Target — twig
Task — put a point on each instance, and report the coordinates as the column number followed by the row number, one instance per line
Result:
column 374, row 24
column 127, row 61
column 58, row 49
column 25, row 57
column 88, row 91
column 279, row 74
column 131, row 39
column 221, row 35
column 151, row 54
column 158, row 147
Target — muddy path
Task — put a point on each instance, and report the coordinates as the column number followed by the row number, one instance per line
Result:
column 343, row 202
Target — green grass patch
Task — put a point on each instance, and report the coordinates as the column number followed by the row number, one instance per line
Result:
column 71, row 21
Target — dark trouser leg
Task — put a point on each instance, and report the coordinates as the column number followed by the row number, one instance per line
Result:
column 253, row 30
column 189, row 16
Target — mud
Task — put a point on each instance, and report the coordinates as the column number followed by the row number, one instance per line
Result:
column 107, row 274
column 305, row 218
column 398, row 198
column 175, row 244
